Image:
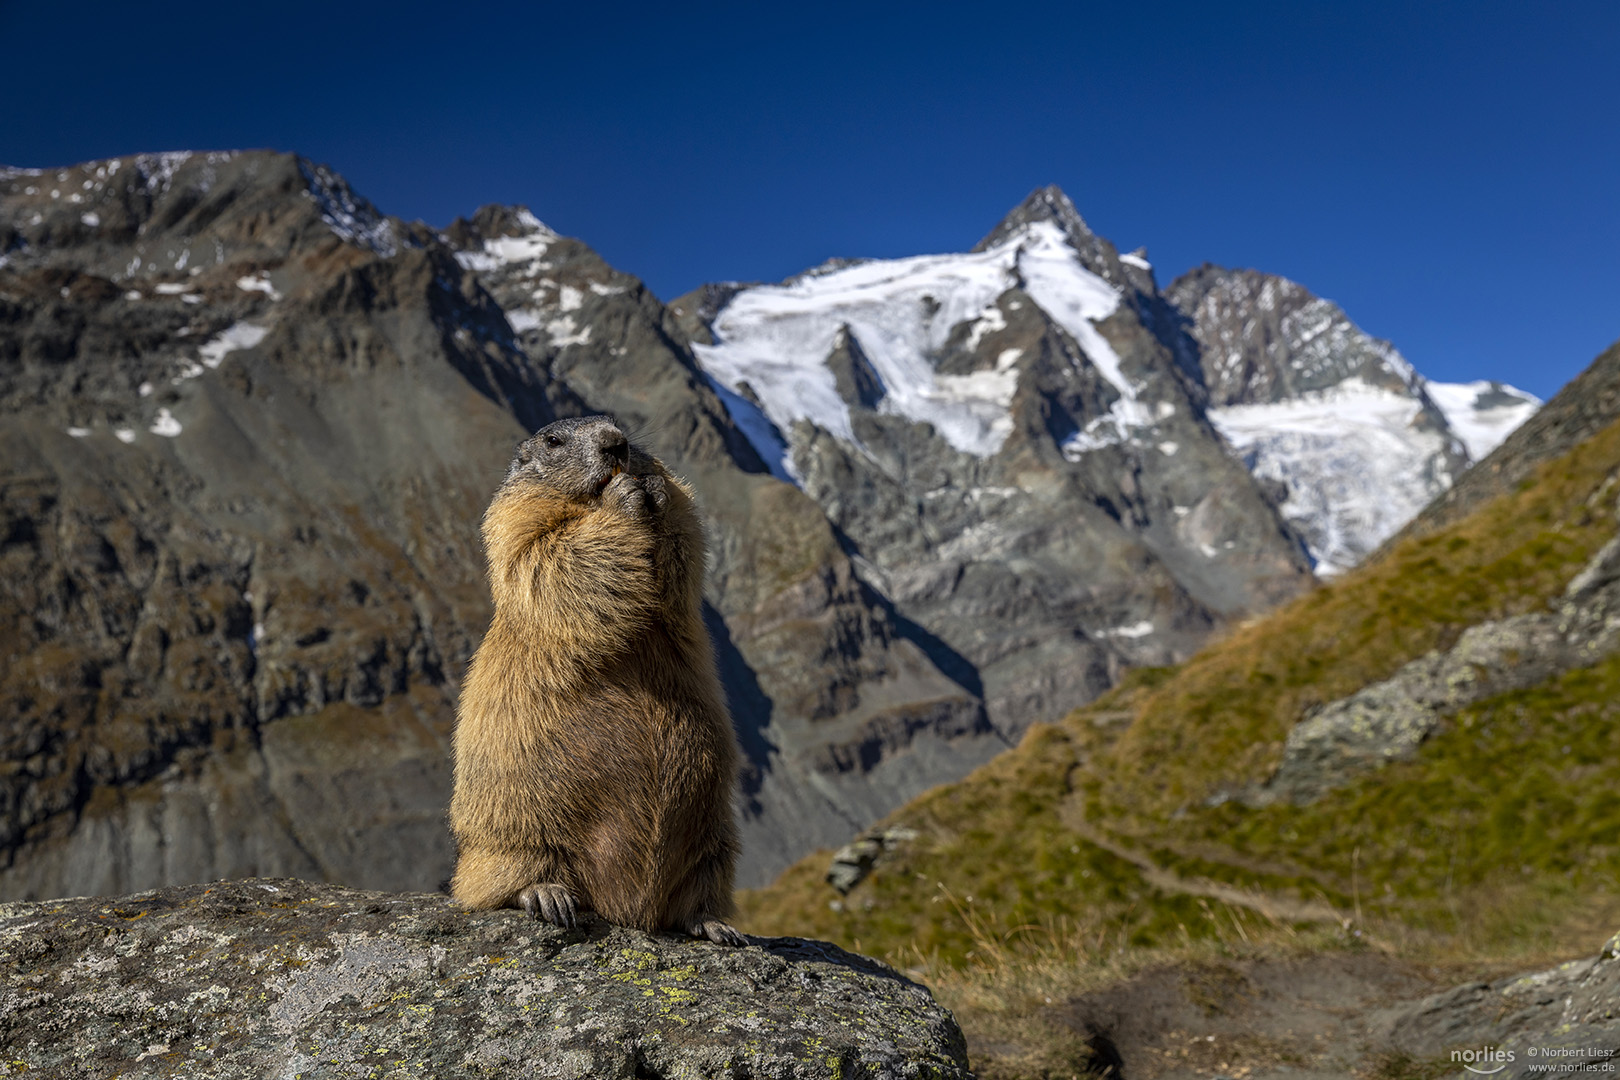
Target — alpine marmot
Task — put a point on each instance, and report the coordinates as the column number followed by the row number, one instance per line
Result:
column 594, row 757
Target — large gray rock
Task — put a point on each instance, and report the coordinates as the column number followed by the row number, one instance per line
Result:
column 282, row 978
column 1562, row 1021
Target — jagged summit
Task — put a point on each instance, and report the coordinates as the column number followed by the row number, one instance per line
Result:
column 185, row 213
column 496, row 221
column 1047, row 203
column 1265, row 338
column 1050, row 204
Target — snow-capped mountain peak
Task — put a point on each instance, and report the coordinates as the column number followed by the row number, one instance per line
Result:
column 1339, row 419
column 1349, row 439
column 1050, row 205
column 777, row 340
column 514, row 236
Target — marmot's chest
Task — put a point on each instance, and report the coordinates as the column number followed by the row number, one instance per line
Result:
column 648, row 724
column 655, row 790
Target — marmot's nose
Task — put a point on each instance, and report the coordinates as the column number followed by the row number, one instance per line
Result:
column 613, row 445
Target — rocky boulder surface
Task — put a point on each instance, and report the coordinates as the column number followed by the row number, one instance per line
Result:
column 279, row 977
column 1387, row 721
column 1348, row 1012
column 1561, row 1021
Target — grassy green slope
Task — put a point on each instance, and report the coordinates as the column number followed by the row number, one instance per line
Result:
column 1498, row 839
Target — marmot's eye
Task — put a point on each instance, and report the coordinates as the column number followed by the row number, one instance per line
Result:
column 553, row 441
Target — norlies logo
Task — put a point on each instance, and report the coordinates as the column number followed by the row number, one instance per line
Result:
column 1485, row 1061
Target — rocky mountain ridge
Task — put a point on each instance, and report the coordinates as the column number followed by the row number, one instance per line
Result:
column 253, row 421
column 1353, row 438
column 1011, row 449
column 1337, row 426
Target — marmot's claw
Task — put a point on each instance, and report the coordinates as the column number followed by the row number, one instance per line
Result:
column 657, row 492
column 720, row 933
column 625, row 494
column 552, row 903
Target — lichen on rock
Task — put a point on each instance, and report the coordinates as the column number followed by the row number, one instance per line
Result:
column 284, row 978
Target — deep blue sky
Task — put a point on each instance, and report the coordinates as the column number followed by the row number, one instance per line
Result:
column 1449, row 172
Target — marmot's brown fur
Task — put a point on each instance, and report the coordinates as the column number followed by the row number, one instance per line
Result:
column 594, row 755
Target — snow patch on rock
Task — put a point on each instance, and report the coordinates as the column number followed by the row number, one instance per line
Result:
column 757, row 428
column 521, row 319
column 1482, row 413
column 237, row 336
column 259, row 283
column 502, row 251
column 564, row 331
column 165, row 424
column 353, row 219
column 156, row 171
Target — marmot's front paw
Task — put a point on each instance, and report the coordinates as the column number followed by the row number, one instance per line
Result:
column 627, row 495
column 721, row 933
column 657, row 492
column 552, row 903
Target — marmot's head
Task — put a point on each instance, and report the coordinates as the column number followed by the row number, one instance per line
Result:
column 577, row 458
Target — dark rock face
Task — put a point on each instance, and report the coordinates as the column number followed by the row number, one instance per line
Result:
column 278, row 977
column 241, row 489
column 857, row 383
column 1265, row 339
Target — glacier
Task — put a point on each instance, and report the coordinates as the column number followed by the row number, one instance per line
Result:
column 772, row 342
